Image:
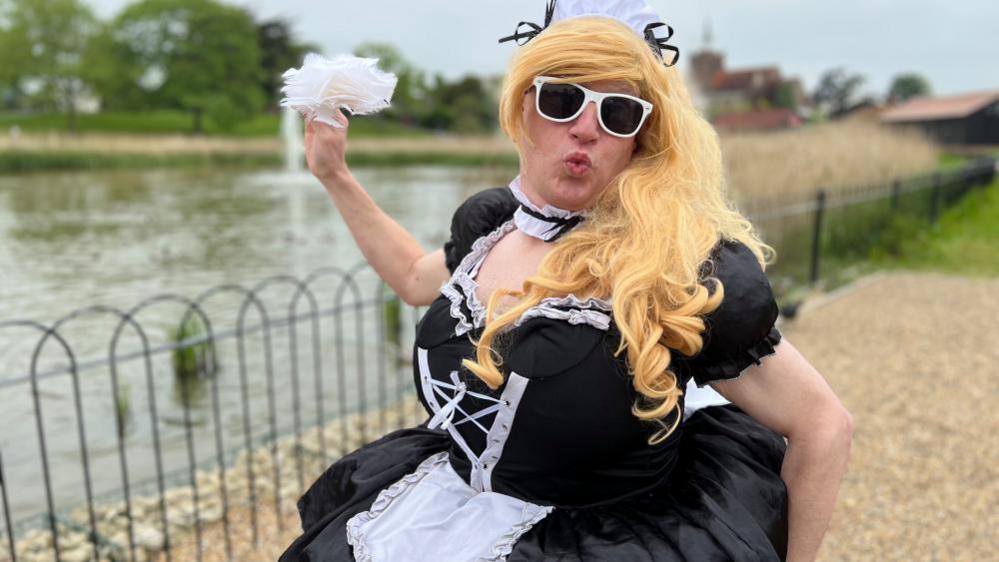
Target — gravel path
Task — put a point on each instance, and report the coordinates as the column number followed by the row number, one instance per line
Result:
column 915, row 358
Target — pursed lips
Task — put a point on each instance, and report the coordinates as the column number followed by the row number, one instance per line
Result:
column 577, row 163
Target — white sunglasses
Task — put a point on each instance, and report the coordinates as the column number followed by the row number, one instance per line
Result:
column 620, row 115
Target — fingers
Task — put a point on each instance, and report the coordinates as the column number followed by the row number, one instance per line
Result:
column 340, row 117
column 323, row 128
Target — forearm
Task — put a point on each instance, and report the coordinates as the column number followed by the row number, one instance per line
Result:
column 387, row 246
column 813, row 468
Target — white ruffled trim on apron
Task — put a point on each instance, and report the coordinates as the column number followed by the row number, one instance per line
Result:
column 432, row 514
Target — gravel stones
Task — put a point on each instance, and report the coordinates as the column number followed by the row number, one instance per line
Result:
column 915, row 359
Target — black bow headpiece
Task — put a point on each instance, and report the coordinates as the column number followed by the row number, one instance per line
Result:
column 659, row 45
column 527, row 30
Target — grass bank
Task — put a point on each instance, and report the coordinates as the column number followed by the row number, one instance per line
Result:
column 885, row 233
column 965, row 240
column 180, row 123
column 18, row 161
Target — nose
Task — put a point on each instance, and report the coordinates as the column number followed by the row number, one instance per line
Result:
column 586, row 127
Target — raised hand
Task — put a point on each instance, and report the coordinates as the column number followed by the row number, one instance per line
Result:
column 325, row 148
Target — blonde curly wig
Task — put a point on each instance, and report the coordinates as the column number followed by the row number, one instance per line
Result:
column 645, row 239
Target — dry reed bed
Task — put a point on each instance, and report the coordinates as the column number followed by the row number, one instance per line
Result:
column 795, row 163
column 136, row 144
column 188, row 144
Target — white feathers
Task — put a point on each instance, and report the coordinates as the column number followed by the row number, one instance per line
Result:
column 322, row 86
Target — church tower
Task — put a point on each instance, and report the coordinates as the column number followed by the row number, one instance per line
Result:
column 706, row 62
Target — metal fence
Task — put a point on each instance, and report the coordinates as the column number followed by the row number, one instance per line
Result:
column 816, row 239
column 259, row 394
column 248, row 392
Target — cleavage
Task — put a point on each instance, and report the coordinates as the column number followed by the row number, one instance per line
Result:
column 507, row 264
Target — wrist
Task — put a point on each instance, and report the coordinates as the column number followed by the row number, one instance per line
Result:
column 337, row 180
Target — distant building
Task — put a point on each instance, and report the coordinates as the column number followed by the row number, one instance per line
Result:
column 867, row 109
column 964, row 119
column 757, row 120
column 732, row 90
column 728, row 91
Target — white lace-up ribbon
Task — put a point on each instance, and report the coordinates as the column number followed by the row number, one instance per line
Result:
column 444, row 418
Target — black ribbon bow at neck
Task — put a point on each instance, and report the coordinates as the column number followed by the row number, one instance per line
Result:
column 559, row 225
column 528, row 30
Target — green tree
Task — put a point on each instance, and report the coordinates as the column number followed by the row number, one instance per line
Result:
column 465, row 106
column 905, row 86
column 8, row 44
column 42, row 45
column 836, row 90
column 197, row 55
column 786, row 96
column 278, row 52
column 408, row 100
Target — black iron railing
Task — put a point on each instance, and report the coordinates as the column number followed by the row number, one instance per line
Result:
column 368, row 378
column 834, row 229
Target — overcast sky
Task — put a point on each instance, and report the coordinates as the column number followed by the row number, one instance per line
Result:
column 952, row 42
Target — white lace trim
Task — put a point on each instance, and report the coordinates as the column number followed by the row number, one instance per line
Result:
column 593, row 318
column 355, row 537
column 468, row 286
column 593, row 311
column 462, row 279
column 462, row 287
column 453, row 295
column 574, row 301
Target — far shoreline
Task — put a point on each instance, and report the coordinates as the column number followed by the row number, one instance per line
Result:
column 20, row 162
column 65, row 152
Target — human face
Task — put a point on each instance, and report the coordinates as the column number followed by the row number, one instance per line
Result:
column 571, row 163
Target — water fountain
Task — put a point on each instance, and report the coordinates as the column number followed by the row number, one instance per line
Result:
column 291, row 133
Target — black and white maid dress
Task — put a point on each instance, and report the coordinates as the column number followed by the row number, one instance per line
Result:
column 553, row 465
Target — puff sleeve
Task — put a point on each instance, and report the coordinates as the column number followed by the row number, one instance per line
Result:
column 479, row 215
column 741, row 331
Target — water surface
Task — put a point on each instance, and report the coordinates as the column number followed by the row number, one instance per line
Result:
column 73, row 240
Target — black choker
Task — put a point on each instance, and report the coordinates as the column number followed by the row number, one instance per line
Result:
column 541, row 226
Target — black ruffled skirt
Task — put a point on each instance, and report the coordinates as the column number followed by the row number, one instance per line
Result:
column 724, row 500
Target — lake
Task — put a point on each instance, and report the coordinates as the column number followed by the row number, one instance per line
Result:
column 115, row 238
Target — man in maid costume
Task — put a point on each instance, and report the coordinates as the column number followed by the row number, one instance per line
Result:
column 567, row 314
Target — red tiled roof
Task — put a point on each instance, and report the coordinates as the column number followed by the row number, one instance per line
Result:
column 930, row 108
column 760, row 119
column 743, row 79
